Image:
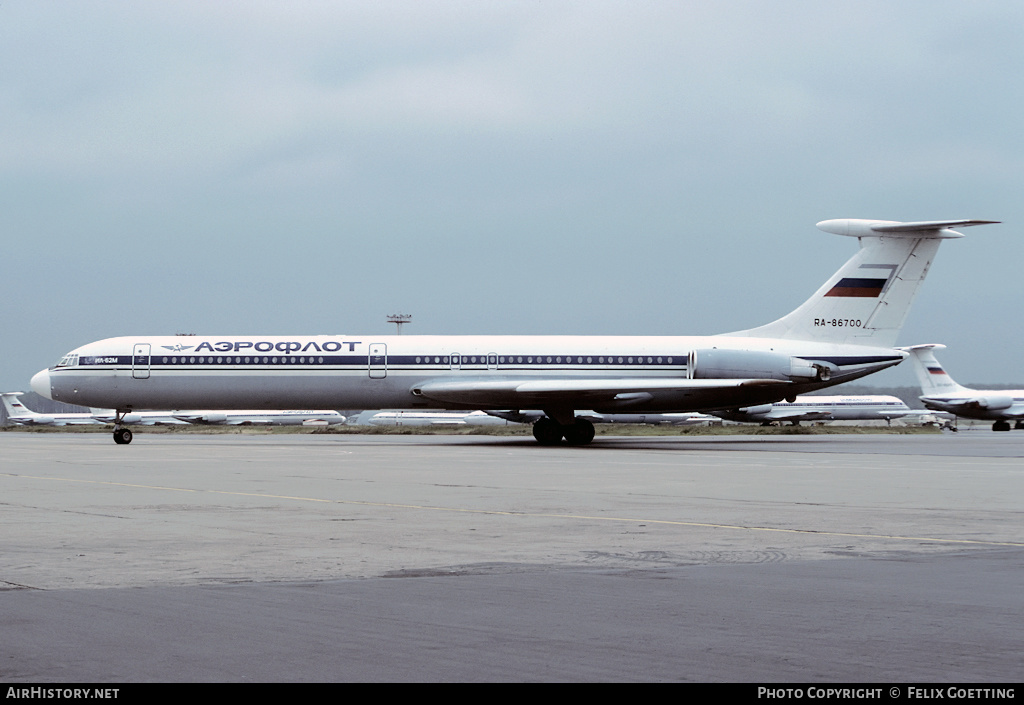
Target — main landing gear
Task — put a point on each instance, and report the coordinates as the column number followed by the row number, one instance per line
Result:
column 1001, row 426
column 549, row 432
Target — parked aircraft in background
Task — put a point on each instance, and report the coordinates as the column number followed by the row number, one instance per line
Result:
column 138, row 418
column 255, row 417
column 678, row 419
column 432, row 418
column 941, row 393
column 845, row 331
column 20, row 414
column 822, row 408
column 281, row 417
column 504, row 418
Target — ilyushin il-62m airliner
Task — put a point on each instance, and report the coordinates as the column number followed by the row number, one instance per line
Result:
column 846, row 330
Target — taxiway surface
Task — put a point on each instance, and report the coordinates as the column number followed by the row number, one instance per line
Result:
column 390, row 558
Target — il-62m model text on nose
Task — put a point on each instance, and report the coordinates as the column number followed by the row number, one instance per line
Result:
column 846, row 330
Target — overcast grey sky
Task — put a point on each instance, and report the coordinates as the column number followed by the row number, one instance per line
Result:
column 498, row 167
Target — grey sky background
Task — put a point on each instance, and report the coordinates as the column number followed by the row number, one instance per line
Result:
column 498, row 167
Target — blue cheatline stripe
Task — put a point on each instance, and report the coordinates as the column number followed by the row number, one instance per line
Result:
column 432, row 361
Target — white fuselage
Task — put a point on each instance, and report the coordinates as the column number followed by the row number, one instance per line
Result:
column 434, row 418
column 982, row 404
column 276, row 417
column 402, row 372
column 824, row 408
column 62, row 419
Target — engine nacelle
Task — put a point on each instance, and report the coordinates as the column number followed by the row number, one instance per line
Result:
column 215, row 418
column 759, row 410
column 131, row 418
column 715, row 363
column 43, row 420
column 995, row 402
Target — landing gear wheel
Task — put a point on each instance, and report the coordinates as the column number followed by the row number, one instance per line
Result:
column 1018, row 426
column 122, row 436
column 547, row 432
column 1001, row 426
column 580, row 433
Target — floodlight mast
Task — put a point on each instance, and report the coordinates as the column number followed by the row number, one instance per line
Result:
column 399, row 319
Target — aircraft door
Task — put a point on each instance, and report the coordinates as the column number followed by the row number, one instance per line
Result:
column 140, row 361
column 378, row 361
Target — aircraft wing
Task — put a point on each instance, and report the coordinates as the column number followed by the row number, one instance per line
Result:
column 574, row 392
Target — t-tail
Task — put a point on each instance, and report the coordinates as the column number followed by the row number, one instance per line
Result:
column 933, row 379
column 867, row 300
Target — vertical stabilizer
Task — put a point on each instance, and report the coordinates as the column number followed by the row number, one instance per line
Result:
column 869, row 298
column 933, row 379
column 14, row 405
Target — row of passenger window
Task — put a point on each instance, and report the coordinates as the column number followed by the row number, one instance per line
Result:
column 549, row 359
column 436, row 360
column 240, row 359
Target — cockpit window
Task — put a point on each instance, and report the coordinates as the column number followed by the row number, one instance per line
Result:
column 69, row 360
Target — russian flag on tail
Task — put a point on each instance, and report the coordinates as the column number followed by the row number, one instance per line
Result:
column 857, row 287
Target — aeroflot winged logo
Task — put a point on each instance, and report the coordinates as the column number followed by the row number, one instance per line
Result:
column 864, row 287
column 176, row 348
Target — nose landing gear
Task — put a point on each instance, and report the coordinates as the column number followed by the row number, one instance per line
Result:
column 122, row 435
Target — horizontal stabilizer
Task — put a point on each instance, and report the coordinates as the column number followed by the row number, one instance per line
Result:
column 853, row 227
column 923, row 346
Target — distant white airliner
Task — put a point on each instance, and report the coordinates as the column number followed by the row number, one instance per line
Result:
column 255, row 417
column 20, row 414
column 845, row 331
column 822, row 408
column 433, row 418
column 503, row 418
column 676, row 419
column 941, row 393
column 138, row 418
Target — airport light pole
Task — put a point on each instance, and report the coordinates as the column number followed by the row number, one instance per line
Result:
column 399, row 319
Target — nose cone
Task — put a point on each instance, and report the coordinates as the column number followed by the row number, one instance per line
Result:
column 41, row 384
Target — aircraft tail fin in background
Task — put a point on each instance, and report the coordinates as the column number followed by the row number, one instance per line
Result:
column 14, row 405
column 933, row 379
column 868, row 299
